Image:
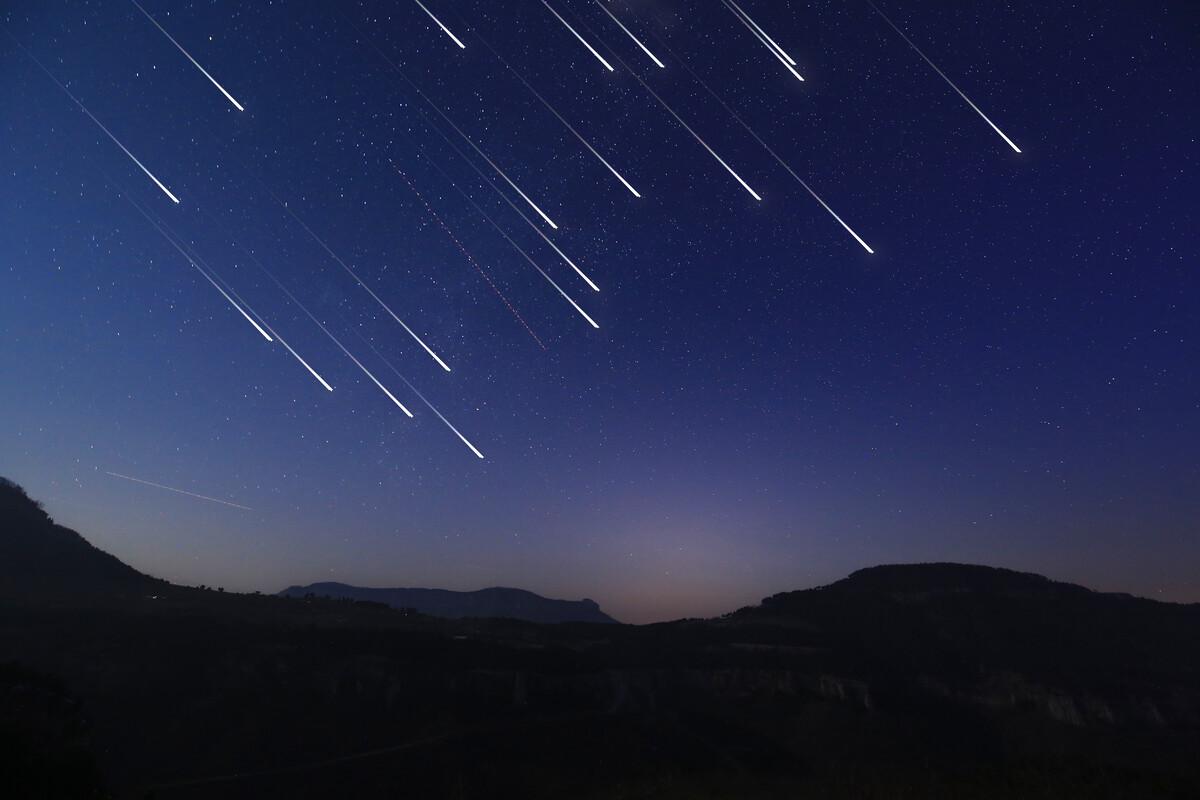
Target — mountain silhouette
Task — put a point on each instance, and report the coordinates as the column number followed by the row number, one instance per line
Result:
column 913, row 680
column 38, row 556
column 496, row 602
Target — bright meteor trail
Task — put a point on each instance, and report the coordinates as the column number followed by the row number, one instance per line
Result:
column 917, row 50
column 629, row 33
column 567, row 25
column 333, row 339
column 688, row 128
column 417, row 392
column 504, row 234
column 198, row 268
column 767, row 40
column 178, row 491
column 100, row 124
column 360, row 281
column 445, row 30
column 768, row 148
column 560, row 117
column 780, row 56
column 195, row 63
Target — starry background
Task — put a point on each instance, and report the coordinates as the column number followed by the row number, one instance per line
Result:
column 1010, row 379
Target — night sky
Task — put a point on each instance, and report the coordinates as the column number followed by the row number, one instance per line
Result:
column 1010, row 379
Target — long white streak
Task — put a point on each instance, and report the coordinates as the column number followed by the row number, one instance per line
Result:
column 629, row 33
column 508, row 238
column 772, row 43
column 195, row 63
column 951, row 83
column 199, row 269
column 696, row 136
column 92, row 116
column 561, row 119
column 516, row 188
column 765, row 43
column 450, row 122
column 774, row 155
column 522, row 215
column 354, row 275
column 178, row 491
column 445, row 30
column 141, row 166
column 599, row 57
column 335, row 340
column 275, row 333
column 417, row 392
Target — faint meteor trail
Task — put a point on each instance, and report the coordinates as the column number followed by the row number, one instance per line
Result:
column 501, row 231
column 332, row 338
column 360, row 281
column 197, row 267
column 629, row 33
column 178, row 491
column 463, row 249
column 195, row 63
column 951, row 83
column 417, row 392
column 445, row 30
column 100, row 124
column 688, row 128
column 767, row 39
column 768, row 148
column 780, row 56
column 567, row 25
column 560, row 117
column 450, row 122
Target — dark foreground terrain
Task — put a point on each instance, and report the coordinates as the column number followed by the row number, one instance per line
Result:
column 924, row 681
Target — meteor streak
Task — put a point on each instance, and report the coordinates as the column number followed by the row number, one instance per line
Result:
column 688, row 128
column 917, row 50
column 780, row 56
column 280, row 339
column 100, row 124
column 768, row 148
column 417, row 392
column 195, row 63
column 334, row 339
column 179, row 491
column 567, row 25
column 463, row 249
column 502, row 232
column 553, row 111
column 628, row 33
column 771, row 42
column 450, row 122
column 198, row 268
column 445, row 30
column 360, row 281
column 519, row 212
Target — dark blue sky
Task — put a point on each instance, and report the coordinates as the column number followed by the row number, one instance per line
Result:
column 1010, row 379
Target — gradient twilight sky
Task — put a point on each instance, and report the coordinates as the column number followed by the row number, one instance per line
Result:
column 1011, row 379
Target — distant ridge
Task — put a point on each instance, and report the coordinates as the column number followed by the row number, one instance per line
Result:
column 494, row 602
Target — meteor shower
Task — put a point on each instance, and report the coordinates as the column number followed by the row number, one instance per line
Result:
column 599, row 399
